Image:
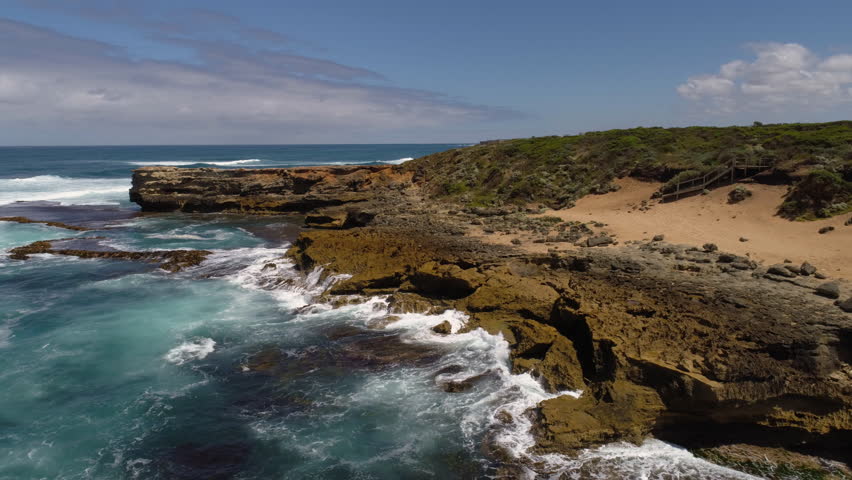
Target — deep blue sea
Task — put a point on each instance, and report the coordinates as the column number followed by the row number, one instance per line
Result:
column 233, row 369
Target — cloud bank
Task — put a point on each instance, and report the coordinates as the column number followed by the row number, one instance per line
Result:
column 226, row 91
column 782, row 75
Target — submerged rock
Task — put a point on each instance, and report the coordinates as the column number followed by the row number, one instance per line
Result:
column 50, row 224
column 169, row 260
column 459, row 386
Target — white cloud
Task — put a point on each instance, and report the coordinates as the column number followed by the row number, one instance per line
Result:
column 782, row 76
column 50, row 82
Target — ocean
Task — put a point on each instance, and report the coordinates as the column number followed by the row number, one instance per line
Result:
column 234, row 369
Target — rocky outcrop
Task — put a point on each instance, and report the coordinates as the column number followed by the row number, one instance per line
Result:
column 169, row 260
column 66, row 226
column 269, row 190
column 702, row 359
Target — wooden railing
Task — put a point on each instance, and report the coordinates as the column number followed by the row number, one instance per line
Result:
column 700, row 183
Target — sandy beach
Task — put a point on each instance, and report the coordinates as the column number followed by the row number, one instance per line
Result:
column 710, row 218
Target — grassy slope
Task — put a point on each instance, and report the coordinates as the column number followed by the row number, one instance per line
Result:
column 557, row 170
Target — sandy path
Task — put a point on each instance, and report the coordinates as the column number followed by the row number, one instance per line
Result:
column 709, row 218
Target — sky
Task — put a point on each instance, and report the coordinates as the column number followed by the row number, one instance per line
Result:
column 278, row 72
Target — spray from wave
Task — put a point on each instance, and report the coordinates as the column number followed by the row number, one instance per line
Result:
column 182, row 164
column 65, row 190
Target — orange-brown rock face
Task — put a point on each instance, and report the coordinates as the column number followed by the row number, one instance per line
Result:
column 267, row 190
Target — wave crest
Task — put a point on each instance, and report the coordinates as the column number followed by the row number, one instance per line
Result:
column 66, row 190
column 181, row 164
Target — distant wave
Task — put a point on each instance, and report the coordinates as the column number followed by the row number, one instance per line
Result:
column 65, row 190
column 398, row 161
column 179, row 164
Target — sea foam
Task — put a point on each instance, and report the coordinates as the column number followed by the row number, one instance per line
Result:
column 196, row 349
column 180, row 164
column 65, row 190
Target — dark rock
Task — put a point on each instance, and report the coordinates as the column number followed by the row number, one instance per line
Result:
column 826, row 229
column 829, row 289
column 743, row 239
column 738, row 194
column 358, row 218
column 599, row 241
column 450, row 370
column 807, row 269
column 848, row 222
column 794, row 269
column 658, row 238
column 459, row 386
column 820, row 275
column 845, row 305
column 710, row 247
column 443, row 328
column 504, row 417
column 781, row 270
column 741, row 266
column 516, row 241
column 727, row 258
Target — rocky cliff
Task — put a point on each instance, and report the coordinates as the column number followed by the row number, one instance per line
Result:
column 271, row 190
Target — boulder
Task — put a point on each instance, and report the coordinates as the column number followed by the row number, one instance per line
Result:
column 738, row 194
column 599, row 241
column 743, row 239
column 658, row 238
column 845, row 305
column 807, row 269
column 829, row 290
column 826, row 229
column 443, row 328
column 794, row 269
column 781, row 270
column 710, row 247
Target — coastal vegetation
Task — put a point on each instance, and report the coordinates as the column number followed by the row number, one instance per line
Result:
column 557, row 170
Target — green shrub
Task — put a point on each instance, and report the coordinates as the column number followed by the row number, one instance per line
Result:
column 557, row 170
column 820, row 194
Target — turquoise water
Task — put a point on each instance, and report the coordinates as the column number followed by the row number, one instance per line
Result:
column 235, row 369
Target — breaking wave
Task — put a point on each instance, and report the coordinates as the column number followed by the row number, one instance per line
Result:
column 194, row 350
column 398, row 161
column 65, row 190
column 180, row 164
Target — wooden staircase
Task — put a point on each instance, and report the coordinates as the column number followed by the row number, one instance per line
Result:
column 698, row 184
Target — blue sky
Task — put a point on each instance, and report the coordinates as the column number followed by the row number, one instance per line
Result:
column 214, row 71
